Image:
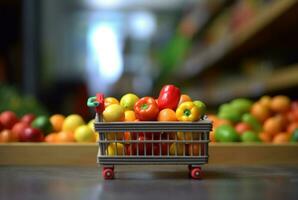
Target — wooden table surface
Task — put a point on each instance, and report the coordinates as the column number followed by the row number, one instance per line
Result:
column 149, row 182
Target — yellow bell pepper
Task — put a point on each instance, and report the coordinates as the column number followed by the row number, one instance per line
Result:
column 188, row 111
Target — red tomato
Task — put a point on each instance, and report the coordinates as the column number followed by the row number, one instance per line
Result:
column 146, row 109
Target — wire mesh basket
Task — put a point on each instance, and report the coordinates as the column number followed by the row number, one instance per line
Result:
column 153, row 143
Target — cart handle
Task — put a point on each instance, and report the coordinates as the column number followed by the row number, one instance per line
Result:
column 97, row 102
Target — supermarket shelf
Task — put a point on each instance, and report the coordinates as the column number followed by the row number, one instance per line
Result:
column 253, row 87
column 38, row 154
column 236, row 42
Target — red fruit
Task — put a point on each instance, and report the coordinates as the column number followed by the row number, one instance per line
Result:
column 157, row 147
column 7, row 136
column 28, row 118
column 294, row 105
column 8, row 119
column 242, row 127
column 31, row 135
column 1, row 126
column 296, row 115
column 142, row 146
column 292, row 127
column 196, row 149
column 18, row 128
column 130, row 149
column 169, row 97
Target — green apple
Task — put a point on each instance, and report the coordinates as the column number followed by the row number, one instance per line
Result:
column 128, row 101
column 249, row 136
column 201, row 106
column 113, row 113
column 84, row 134
column 42, row 123
column 226, row 133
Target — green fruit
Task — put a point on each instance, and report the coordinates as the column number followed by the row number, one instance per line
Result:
column 252, row 121
column 224, row 108
column 128, row 101
column 43, row 123
column 202, row 107
column 249, row 136
column 226, row 133
column 294, row 137
column 231, row 115
column 241, row 105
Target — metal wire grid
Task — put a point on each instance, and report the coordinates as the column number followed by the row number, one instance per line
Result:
column 160, row 144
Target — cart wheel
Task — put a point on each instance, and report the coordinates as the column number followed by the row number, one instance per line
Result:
column 196, row 173
column 108, row 173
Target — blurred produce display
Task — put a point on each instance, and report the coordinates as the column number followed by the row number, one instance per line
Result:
column 170, row 105
column 41, row 128
column 268, row 120
column 11, row 99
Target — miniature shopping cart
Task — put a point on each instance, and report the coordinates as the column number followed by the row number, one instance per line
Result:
column 150, row 142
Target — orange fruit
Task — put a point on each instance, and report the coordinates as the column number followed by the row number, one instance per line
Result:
column 265, row 137
column 272, row 126
column 184, row 98
column 130, row 116
column 213, row 119
column 280, row 103
column 51, row 138
column 7, row 136
column 281, row 138
column 265, row 101
column 260, row 112
column 110, row 100
column 220, row 122
column 212, row 136
column 167, row 115
column 65, row 136
column 57, row 122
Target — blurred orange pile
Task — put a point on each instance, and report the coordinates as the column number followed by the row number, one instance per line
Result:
column 271, row 120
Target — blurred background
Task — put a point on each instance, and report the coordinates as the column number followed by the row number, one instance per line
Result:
column 55, row 54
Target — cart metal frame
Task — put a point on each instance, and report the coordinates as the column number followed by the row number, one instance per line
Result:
column 201, row 128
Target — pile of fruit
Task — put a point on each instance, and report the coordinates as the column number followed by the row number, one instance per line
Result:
column 269, row 120
column 54, row 129
column 171, row 105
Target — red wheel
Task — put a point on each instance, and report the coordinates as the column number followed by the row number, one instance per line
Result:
column 196, row 173
column 108, row 173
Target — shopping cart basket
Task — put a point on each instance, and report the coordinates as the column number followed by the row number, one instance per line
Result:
column 141, row 143
column 150, row 142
